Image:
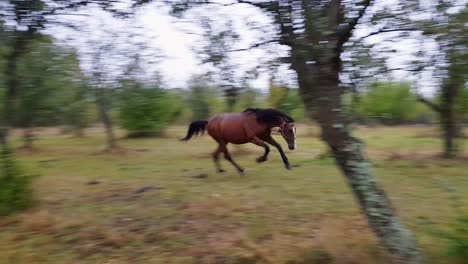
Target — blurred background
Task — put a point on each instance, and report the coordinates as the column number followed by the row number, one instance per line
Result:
column 94, row 96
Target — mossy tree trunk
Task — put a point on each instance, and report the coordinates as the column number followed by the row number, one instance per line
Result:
column 323, row 102
column 315, row 56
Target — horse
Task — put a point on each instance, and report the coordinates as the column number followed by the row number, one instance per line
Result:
column 253, row 125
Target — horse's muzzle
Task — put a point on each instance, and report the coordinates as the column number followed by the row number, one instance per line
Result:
column 291, row 147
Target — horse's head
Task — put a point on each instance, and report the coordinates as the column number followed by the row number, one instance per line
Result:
column 288, row 131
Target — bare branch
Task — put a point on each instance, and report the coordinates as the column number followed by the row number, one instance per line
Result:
column 345, row 32
column 386, row 30
column 429, row 103
column 255, row 45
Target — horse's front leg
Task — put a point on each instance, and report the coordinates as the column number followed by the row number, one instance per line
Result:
column 260, row 143
column 273, row 142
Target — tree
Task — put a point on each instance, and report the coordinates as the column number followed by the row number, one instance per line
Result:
column 316, row 31
column 147, row 111
column 78, row 112
column 445, row 26
column 452, row 39
column 316, row 58
column 24, row 21
column 199, row 97
column 49, row 81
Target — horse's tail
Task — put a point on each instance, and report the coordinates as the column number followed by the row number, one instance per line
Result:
column 195, row 128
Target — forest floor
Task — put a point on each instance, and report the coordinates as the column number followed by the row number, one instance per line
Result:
column 159, row 200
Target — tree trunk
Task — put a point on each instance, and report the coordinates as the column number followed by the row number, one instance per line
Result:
column 18, row 48
column 232, row 95
column 28, row 138
column 448, row 119
column 319, row 86
column 79, row 132
column 3, row 140
column 105, row 119
column 447, row 116
column 450, row 135
column 12, row 86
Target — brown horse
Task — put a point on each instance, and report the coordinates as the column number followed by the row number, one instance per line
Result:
column 251, row 126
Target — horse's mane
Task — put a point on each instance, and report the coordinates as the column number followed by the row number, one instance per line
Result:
column 269, row 116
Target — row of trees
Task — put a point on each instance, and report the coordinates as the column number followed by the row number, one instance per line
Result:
column 54, row 91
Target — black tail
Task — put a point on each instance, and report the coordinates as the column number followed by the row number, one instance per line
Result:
column 195, row 128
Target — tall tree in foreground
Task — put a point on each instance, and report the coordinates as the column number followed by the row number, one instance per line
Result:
column 316, row 32
column 316, row 58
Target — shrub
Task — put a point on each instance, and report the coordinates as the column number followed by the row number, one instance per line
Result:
column 15, row 186
column 199, row 102
column 457, row 240
column 391, row 103
column 147, row 111
column 77, row 116
column 287, row 100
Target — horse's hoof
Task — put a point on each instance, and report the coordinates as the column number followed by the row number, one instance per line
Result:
column 287, row 166
column 221, row 171
column 242, row 172
column 261, row 159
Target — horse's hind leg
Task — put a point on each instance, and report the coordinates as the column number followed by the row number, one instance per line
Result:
column 228, row 157
column 216, row 158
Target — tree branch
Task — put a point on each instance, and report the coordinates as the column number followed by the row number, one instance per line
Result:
column 386, row 30
column 435, row 107
column 344, row 32
column 255, row 45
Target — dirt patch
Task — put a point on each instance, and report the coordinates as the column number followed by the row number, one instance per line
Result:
column 200, row 176
column 117, row 151
column 38, row 222
column 148, row 188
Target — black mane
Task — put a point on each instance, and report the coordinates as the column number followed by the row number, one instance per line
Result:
column 269, row 116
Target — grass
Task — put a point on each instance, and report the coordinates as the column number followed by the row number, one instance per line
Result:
column 160, row 201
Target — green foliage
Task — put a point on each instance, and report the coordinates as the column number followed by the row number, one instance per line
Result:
column 50, row 83
column 15, row 186
column 292, row 104
column 277, row 95
column 247, row 98
column 287, row 100
column 78, row 114
column 2, row 98
column 147, row 111
column 391, row 103
column 457, row 240
column 199, row 102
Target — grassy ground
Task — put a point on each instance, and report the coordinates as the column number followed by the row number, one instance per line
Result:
column 159, row 201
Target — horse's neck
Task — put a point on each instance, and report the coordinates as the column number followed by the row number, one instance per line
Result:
column 279, row 123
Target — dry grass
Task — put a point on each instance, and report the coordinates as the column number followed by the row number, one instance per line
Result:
column 148, row 205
